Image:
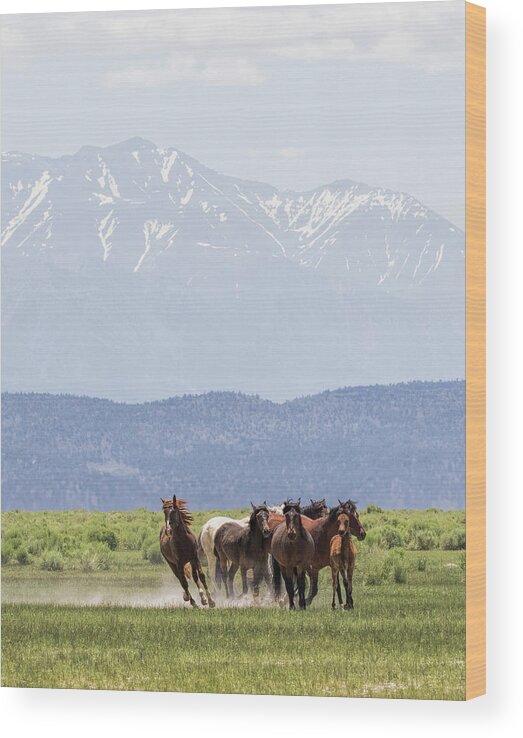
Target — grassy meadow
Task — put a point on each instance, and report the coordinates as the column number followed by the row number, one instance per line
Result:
column 88, row 603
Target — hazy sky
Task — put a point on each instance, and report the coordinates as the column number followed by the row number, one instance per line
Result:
column 293, row 96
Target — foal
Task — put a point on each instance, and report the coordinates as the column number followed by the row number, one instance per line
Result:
column 342, row 556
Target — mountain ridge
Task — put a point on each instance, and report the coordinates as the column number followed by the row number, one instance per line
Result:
column 135, row 272
column 398, row 446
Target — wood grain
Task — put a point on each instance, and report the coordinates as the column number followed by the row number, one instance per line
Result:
column 475, row 350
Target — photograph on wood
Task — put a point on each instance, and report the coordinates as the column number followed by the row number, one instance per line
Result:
column 243, row 350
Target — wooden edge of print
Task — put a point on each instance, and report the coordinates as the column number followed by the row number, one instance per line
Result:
column 475, row 351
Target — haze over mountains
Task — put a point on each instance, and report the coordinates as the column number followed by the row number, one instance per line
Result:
column 396, row 446
column 135, row 273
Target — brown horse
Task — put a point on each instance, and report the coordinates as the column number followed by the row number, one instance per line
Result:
column 245, row 547
column 179, row 548
column 317, row 509
column 292, row 548
column 342, row 560
column 322, row 531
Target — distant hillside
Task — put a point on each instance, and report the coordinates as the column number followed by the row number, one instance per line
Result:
column 397, row 446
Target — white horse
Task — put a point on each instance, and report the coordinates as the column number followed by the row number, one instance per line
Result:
column 206, row 539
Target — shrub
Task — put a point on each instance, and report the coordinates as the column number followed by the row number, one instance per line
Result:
column 152, row 553
column 103, row 535
column 463, row 561
column 22, row 556
column 96, row 557
column 421, row 564
column 52, row 560
column 132, row 540
column 374, row 576
column 400, row 573
column 373, row 509
column 35, row 547
column 424, row 539
column 454, row 540
column 7, row 552
column 392, row 537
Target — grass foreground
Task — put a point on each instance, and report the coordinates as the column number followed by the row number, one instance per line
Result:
column 125, row 628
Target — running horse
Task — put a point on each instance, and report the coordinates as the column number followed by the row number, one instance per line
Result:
column 243, row 547
column 292, row 548
column 179, row 548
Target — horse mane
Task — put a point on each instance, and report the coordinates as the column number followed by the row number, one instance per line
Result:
column 333, row 512
column 181, row 505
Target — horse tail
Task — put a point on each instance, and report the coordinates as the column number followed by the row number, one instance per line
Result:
column 218, row 574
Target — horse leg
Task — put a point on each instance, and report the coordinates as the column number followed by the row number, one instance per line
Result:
column 204, row 582
column 230, row 577
column 335, row 585
column 194, row 572
column 276, row 579
column 187, row 596
column 289, row 586
column 222, row 563
column 301, row 590
column 350, row 572
column 313, row 588
column 338, row 589
column 348, row 596
column 257, row 575
column 245, row 586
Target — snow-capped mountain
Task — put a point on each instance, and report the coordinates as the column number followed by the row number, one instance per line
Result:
column 143, row 208
column 135, row 272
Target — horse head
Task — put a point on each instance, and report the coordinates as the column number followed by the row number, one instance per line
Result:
column 292, row 513
column 292, row 523
column 260, row 519
column 356, row 528
column 317, row 509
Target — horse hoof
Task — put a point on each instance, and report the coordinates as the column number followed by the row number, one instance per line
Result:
column 204, row 601
column 212, row 603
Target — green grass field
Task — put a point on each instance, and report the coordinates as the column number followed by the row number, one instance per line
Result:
column 115, row 619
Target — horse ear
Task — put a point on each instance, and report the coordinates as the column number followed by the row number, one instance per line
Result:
column 253, row 505
column 174, row 499
column 341, row 503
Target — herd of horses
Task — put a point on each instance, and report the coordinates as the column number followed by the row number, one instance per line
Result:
column 281, row 542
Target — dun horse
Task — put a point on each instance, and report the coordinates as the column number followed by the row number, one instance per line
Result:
column 180, row 549
column 243, row 547
column 293, row 548
column 342, row 560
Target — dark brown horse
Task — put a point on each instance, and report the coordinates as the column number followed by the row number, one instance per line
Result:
column 317, row 509
column 243, row 547
column 179, row 548
column 322, row 531
column 292, row 548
